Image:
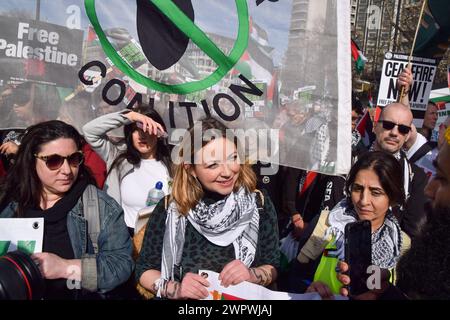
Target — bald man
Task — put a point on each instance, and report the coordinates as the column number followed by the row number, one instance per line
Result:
column 392, row 131
column 393, row 128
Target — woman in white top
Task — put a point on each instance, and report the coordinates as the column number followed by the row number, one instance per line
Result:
column 136, row 164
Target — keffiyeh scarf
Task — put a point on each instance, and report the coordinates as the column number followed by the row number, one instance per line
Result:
column 233, row 220
column 386, row 241
column 356, row 138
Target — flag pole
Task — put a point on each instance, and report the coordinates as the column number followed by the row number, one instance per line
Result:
column 402, row 94
column 38, row 10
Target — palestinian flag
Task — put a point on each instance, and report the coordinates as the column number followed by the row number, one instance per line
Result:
column 258, row 34
column 309, row 179
column 243, row 67
column 273, row 91
column 257, row 62
column 92, row 38
column 223, row 296
column 370, row 100
column 360, row 59
column 230, row 297
column 365, row 127
column 377, row 115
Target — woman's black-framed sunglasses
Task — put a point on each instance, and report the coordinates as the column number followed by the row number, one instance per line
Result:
column 389, row 125
column 55, row 161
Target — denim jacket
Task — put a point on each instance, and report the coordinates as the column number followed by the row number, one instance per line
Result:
column 113, row 263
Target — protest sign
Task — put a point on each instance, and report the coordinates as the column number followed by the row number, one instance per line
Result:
column 423, row 70
column 37, row 51
column 443, row 111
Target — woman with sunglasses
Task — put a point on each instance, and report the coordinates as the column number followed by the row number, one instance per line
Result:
column 135, row 165
column 47, row 181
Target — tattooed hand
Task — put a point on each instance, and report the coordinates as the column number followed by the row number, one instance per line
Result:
column 261, row 275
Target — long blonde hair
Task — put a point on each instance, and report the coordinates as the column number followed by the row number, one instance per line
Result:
column 186, row 189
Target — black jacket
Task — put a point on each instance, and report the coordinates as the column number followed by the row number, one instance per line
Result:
column 325, row 192
column 413, row 216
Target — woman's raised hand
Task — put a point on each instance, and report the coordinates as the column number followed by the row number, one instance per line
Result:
column 147, row 124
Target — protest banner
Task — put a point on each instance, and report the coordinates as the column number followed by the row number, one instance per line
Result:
column 441, row 97
column 229, row 59
column 24, row 234
column 423, row 70
column 443, row 111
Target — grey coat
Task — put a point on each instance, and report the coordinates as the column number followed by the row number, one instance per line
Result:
column 95, row 133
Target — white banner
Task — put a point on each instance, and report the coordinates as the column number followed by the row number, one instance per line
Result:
column 280, row 68
column 251, row 291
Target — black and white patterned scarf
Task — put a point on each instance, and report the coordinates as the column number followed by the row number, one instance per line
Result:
column 233, row 220
column 386, row 241
column 356, row 138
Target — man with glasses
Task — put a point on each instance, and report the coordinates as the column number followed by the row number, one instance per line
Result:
column 392, row 131
column 420, row 271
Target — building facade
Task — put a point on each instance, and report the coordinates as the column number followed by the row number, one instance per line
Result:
column 310, row 32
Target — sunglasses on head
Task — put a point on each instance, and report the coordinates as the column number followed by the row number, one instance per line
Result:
column 389, row 125
column 55, row 161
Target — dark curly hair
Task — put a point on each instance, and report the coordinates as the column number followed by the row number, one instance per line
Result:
column 22, row 184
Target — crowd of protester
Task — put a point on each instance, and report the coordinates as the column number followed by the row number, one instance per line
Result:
column 219, row 213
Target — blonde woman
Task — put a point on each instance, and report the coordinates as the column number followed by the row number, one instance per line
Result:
column 215, row 219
